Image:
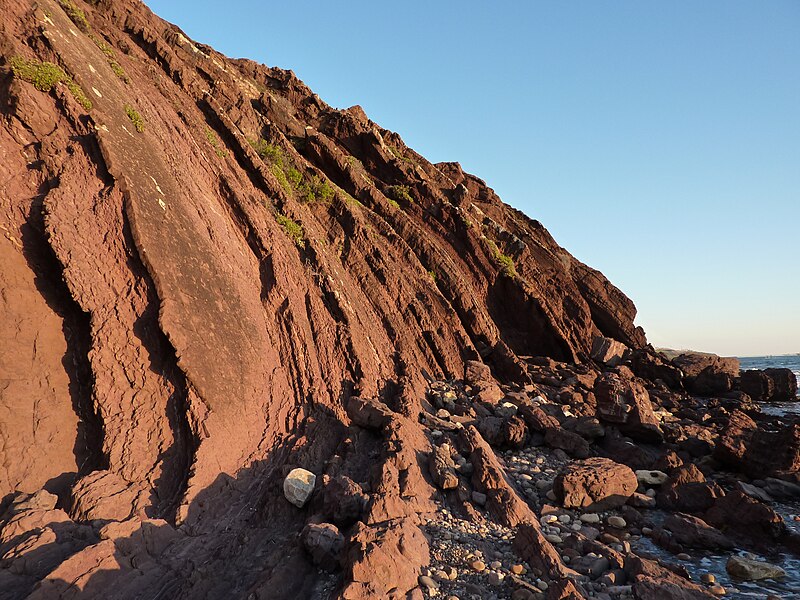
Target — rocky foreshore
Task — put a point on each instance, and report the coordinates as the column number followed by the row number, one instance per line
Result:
column 563, row 488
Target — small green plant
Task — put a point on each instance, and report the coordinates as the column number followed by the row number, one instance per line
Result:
column 45, row 75
column 400, row 193
column 280, row 175
column 268, row 152
column 135, row 117
column 77, row 93
column 394, row 203
column 432, row 275
column 75, row 14
column 352, row 201
column 505, row 262
column 273, row 155
column 294, row 177
column 397, row 154
column 111, row 57
column 316, row 190
column 293, row 230
column 119, row 71
column 324, row 192
column 291, row 179
column 214, row 141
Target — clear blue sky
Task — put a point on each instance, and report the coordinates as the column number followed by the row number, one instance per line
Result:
column 658, row 141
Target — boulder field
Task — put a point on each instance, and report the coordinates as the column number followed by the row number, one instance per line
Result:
column 254, row 346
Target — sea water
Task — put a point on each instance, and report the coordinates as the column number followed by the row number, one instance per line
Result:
column 787, row 588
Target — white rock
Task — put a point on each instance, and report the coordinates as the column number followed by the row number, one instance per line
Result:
column 616, row 522
column 752, row 570
column 646, row 477
column 506, row 409
column 590, row 518
column 549, row 519
column 298, row 486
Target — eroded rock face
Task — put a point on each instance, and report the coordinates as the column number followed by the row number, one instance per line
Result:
column 368, row 413
column 530, row 544
column 384, row 560
column 325, row 545
column 595, row 484
column 626, row 403
column 343, row 500
column 651, row 581
column 708, row 374
column 608, row 351
column 770, row 385
column 744, row 516
column 760, row 451
column 687, row 490
column 489, row 479
column 693, row 532
column 442, row 467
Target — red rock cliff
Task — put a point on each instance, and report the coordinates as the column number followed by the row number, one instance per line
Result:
column 200, row 262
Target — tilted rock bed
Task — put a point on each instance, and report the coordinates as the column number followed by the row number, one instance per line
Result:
column 210, row 278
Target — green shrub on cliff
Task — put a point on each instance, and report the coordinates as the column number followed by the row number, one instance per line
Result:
column 75, row 14
column 294, row 177
column 315, row 190
column 400, row 193
column 505, row 262
column 293, row 229
column 214, row 141
column 269, row 153
column 291, row 179
column 110, row 57
column 45, row 75
column 135, row 117
column 398, row 154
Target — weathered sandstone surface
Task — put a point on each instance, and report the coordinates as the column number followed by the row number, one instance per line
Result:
column 254, row 346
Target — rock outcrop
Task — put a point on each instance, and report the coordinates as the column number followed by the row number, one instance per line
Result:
column 255, row 346
column 770, row 385
column 626, row 403
column 595, row 484
column 707, row 374
column 208, row 275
